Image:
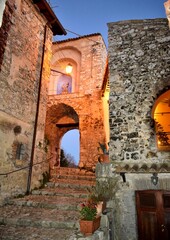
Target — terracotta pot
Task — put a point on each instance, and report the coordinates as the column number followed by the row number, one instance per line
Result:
column 89, row 227
column 104, row 158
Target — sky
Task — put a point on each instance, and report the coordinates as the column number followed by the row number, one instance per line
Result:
column 85, row 17
column 70, row 144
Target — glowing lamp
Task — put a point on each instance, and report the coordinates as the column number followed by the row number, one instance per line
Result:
column 69, row 68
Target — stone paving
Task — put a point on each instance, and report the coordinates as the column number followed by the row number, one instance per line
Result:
column 49, row 213
column 33, row 233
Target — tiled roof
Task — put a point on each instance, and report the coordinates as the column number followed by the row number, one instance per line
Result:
column 46, row 10
column 77, row 38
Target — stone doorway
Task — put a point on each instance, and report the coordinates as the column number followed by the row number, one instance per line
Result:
column 153, row 210
column 61, row 118
column 70, row 145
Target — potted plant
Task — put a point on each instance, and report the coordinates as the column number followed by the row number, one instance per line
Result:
column 89, row 221
column 103, row 191
column 104, row 156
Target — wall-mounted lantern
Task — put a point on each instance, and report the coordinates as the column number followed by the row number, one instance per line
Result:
column 69, row 68
column 154, row 178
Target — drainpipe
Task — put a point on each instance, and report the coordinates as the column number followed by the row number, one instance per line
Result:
column 36, row 116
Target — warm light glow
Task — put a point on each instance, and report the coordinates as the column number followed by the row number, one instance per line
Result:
column 69, row 68
column 159, row 142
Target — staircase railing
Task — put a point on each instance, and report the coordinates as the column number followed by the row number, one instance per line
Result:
column 20, row 169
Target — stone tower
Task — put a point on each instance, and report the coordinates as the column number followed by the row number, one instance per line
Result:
column 78, row 100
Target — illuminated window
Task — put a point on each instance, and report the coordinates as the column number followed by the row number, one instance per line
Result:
column 161, row 115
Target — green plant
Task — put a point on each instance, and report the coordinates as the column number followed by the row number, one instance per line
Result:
column 104, row 190
column 44, row 144
column 45, row 179
column 88, row 210
column 104, row 148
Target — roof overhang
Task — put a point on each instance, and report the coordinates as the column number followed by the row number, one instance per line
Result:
column 48, row 13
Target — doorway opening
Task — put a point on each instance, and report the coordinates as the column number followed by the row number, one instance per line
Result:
column 70, row 149
column 153, row 210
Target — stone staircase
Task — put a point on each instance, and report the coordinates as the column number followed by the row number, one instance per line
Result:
column 49, row 213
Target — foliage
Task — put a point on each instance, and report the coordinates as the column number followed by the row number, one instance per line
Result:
column 104, row 148
column 66, row 159
column 45, row 179
column 44, row 144
column 104, row 190
column 63, row 159
column 162, row 135
column 88, row 210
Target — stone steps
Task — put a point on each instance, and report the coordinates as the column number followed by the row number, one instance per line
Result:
column 72, row 182
column 74, row 177
column 38, row 217
column 54, row 202
column 70, row 171
column 50, row 213
column 60, row 191
column 33, row 233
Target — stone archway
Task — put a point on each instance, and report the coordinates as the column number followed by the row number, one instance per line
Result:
column 60, row 119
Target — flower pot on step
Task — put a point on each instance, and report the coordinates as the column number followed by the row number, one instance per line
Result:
column 89, row 227
column 104, row 158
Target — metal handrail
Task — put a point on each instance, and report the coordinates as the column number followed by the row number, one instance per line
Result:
column 20, row 169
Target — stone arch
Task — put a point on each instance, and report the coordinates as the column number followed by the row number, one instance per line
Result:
column 60, row 119
column 60, row 71
column 62, row 57
column 72, row 147
column 161, row 114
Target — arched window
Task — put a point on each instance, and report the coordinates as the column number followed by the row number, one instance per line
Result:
column 161, row 116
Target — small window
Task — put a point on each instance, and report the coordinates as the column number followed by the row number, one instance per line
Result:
column 20, row 151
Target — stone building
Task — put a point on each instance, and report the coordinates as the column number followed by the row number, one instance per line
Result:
column 78, row 100
column 26, row 30
column 139, row 67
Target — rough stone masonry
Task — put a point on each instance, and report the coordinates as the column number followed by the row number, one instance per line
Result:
column 139, row 65
column 21, row 36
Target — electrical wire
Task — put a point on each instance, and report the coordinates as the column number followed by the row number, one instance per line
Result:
column 82, row 36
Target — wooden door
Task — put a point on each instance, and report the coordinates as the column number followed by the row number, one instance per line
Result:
column 153, row 213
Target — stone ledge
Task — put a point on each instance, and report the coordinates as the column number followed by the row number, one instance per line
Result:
column 98, row 235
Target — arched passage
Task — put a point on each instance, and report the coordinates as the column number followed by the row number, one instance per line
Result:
column 70, row 143
column 161, row 116
column 61, row 118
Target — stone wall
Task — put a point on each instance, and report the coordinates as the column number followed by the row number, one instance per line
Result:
column 139, row 65
column 139, row 72
column 88, row 56
column 21, row 35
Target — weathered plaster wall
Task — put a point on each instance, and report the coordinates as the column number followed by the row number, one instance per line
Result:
column 139, row 65
column 21, row 35
column 89, row 58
